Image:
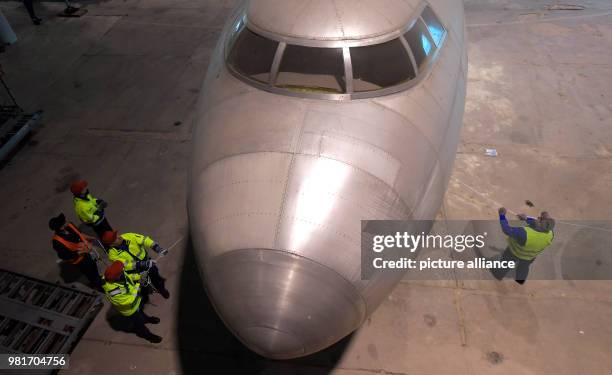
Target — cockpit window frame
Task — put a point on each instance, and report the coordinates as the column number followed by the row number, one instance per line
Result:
column 420, row 73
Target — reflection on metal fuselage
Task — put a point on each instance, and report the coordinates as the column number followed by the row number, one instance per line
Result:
column 279, row 182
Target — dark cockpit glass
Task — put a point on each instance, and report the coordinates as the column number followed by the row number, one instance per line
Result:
column 420, row 44
column 381, row 65
column 252, row 55
column 309, row 69
column 323, row 70
column 436, row 30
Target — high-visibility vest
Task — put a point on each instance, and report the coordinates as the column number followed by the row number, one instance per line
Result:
column 535, row 243
column 124, row 295
column 86, row 208
column 137, row 250
column 72, row 246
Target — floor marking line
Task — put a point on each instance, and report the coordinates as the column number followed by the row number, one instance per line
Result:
column 514, row 213
column 552, row 19
column 460, row 316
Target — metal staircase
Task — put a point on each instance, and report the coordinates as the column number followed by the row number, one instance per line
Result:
column 37, row 317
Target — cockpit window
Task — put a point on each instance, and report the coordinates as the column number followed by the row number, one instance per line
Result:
column 308, row 69
column 380, row 65
column 338, row 70
column 252, row 55
column 436, row 30
column 420, row 44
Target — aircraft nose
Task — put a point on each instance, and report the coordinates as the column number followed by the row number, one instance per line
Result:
column 267, row 340
column 282, row 305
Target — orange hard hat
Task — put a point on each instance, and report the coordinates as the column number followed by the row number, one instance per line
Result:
column 114, row 271
column 109, row 237
column 77, row 187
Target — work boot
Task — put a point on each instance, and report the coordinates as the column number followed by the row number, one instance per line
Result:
column 154, row 339
column 70, row 10
column 164, row 292
column 152, row 320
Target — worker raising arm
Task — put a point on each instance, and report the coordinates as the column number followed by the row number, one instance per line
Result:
column 525, row 243
column 131, row 249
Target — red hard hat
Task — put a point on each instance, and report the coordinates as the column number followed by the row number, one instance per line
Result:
column 109, row 237
column 77, row 187
column 114, row 271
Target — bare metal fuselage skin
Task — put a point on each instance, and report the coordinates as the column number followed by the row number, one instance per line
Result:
column 279, row 184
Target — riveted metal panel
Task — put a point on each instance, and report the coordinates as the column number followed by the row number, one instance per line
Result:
column 331, row 20
column 236, row 202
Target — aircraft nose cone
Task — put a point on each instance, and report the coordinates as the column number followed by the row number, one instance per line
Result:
column 268, row 340
column 282, row 305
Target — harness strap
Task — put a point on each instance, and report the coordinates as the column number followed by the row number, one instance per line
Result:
column 78, row 232
column 72, row 246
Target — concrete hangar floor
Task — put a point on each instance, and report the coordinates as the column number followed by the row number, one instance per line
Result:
column 119, row 86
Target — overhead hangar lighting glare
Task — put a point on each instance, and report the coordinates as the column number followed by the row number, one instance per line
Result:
column 316, row 198
column 426, row 44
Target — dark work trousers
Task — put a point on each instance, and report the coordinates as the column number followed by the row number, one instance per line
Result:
column 30, row 8
column 522, row 267
column 159, row 283
column 138, row 321
column 144, row 294
column 101, row 226
column 90, row 270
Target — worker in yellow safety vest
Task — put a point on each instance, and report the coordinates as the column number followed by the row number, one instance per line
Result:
column 89, row 209
column 525, row 243
column 123, row 292
column 131, row 249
